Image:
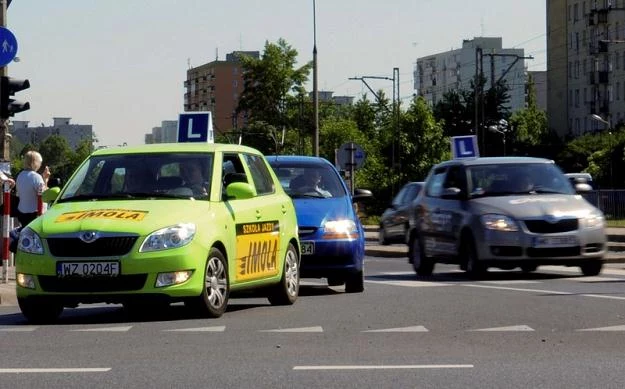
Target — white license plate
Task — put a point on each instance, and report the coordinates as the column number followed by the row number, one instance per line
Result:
column 87, row 269
column 308, row 247
column 555, row 241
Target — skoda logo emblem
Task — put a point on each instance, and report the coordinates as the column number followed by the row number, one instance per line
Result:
column 551, row 219
column 89, row 236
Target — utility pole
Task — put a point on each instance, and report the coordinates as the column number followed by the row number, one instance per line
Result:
column 4, row 122
column 315, row 90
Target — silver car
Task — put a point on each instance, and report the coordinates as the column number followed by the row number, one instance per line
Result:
column 504, row 212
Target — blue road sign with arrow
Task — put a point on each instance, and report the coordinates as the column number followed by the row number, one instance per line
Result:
column 8, row 46
column 195, row 127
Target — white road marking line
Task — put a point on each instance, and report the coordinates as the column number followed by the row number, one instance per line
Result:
column 302, row 329
column 593, row 279
column 18, row 329
column 199, row 329
column 401, row 329
column 104, row 329
column 412, row 284
column 605, row 329
column 517, row 289
column 510, row 282
column 380, row 367
column 604, row 296
column 56, row 370
column 522, row 327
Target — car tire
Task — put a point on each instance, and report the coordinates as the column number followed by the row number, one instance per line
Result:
column 382, row 239
column 474, row 267
column 335, row 281
column 287, row 290
column 213, row 300
column 40, row 312
column 355, row 283
column 591, row 268
column 423, row 265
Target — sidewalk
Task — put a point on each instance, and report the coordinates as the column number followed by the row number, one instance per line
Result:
column 616, row 254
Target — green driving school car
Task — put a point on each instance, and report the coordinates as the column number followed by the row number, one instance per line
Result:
column 155, row 224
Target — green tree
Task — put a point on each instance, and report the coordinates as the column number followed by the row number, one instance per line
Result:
column 56, row 154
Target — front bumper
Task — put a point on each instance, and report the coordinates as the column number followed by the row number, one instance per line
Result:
column 333, row 258
column 137, row 278
column 572, row 247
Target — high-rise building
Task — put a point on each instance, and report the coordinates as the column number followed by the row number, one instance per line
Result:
column 216, row 87
column 437, row 74
column 585, row 65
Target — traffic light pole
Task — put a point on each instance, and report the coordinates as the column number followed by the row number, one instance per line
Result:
column 4, row 125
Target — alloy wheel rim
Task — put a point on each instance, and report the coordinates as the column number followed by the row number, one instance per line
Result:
column 291, row 273
column 216, row 282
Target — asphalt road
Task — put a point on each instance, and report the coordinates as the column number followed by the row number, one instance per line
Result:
column 550, row 329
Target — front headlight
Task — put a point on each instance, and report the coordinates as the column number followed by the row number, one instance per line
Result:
column 30, row 242
column 594, row 220
column 340, row 229
column 499, row 223
column 169, row 238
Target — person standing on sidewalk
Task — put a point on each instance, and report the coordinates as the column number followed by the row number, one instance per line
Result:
column 30, row 184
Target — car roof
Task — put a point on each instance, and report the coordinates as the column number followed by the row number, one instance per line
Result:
column 297, row 159
column 494, row 161
column 175, row 147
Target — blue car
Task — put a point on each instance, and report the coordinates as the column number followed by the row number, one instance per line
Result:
column 331, row 235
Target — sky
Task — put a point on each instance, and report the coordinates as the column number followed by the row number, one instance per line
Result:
column 120, row 65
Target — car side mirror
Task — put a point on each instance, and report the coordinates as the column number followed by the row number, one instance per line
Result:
column 50, row 194
column 582, row 188
column 451, row 193
column 239, row 191
column 361, row 194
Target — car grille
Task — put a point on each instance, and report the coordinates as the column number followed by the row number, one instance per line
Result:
column 102, row 247
column 544, row 227
column 553, row 252
column 93, row 284
column 307, row 231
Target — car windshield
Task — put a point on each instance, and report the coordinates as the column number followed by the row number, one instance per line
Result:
column 515, row 179
column 310, row 181
column 139, row 176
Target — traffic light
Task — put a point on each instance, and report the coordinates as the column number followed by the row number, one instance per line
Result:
column 9, row 106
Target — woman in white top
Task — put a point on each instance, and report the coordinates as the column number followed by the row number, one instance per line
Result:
column 30, row 184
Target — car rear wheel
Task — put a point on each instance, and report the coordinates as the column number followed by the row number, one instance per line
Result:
column 286, row 292
column 355, row 283
column 382, row 239
column 591, row 268
column 40, row 312
column 213, row 300
column 423, row 265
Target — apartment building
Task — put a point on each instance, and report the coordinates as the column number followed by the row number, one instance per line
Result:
column 216, row 87
column 585, row 65
column 73, row 133
column 437, row 74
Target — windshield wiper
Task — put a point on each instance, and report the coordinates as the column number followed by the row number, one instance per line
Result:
column 119, row 196
column 306, row 195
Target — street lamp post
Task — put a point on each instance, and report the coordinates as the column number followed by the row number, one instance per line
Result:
column 315, row 90
column 608, row 124
column 501, row 128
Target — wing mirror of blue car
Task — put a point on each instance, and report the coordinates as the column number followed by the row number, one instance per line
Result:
column 361, row 194
column 451, row 193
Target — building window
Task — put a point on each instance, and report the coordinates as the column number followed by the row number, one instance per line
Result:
column 585, row 96
column 617, row 60
column 571, row 98
column 235, row 70
column 585, row 124
column 235, row 83
column 570, row 70
column 577, row 97
column 575, row 12
column 570, row 13
column 618, row 90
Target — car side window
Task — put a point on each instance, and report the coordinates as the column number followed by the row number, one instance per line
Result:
column 398, row 199
column 456, row 178
column 411, row 193
column 260, row 174
column 232, row 171
column 435, row 183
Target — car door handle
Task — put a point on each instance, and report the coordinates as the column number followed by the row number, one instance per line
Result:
column 257, row 214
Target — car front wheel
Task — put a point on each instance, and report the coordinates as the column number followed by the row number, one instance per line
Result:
column 286, row 292
column 355, row 283
column 423, row 265
column 40, row 312
column 592, row 268
column 213, row 300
